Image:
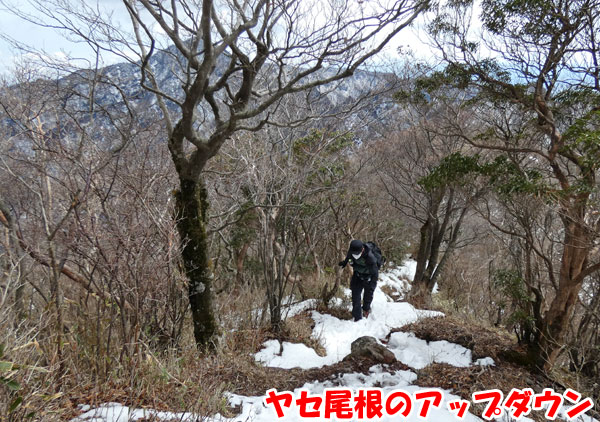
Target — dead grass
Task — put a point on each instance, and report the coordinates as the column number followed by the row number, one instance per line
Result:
column 186, row 380
column 465, row 381
column 510, row 370
column 482, row 341
column 340, row 312
column 248, row 378
column 392, row 293
column 299, row 329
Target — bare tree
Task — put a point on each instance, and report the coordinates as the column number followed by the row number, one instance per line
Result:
column 233, row 62
column 53, row 206
column 416, row 172
column 279, row 189
column 91, row 216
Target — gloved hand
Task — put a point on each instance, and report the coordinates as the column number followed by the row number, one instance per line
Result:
column 342, row 264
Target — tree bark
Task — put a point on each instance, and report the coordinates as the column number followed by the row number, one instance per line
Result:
column 240, row 258
column 328, row 294
column 424, row 249
column 429, row 263
column 429, row 245
column 13, row 243
column 555, row 323
column 192, row 218
column 420, row 295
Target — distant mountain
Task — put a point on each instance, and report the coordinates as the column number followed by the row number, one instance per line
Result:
column 117, row 96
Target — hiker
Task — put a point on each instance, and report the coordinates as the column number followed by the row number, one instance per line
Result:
column 366, row 273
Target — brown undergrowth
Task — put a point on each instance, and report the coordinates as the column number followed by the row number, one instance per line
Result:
column 510, row 369
column 188, row 382
column 184, row 380
column 482, row 341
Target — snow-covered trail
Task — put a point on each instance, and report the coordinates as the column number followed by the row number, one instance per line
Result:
column 336, row 336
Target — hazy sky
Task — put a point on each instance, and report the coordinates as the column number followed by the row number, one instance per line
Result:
column 49, row 40
column 56, row 45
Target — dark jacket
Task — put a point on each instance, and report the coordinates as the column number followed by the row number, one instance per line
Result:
column 364, row 267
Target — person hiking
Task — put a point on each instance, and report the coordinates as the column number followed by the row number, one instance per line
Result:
column 365, row 275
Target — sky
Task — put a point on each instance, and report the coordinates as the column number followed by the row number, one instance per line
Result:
column 52, row 42
column 56, row 45
column 336, row 337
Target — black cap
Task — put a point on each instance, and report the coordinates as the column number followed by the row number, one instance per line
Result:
column 356, row 247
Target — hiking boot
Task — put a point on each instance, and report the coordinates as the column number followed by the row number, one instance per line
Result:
column 366, row 314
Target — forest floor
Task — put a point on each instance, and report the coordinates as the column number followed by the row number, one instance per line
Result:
column 435, row 351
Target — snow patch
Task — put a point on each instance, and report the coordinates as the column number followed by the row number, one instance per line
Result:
column 336, row 337
column 116, row 412
column 485, row 362
column 418, row 354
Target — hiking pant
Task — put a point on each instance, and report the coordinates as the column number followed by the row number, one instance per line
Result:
column 357, row 285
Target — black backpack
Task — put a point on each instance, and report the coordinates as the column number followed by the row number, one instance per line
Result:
column 376, row 253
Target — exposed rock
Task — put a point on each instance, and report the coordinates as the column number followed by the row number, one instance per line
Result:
column 367, row 346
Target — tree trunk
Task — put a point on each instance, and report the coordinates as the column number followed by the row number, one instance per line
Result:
column 272, row 264
column 280, row 272
column 192, row 218
column 12, row 243
column 429, row 263
column 328, row 294
column 555, row 326
column 275, row 312
column 420, row 295
column 424, row 249
column 429, row 230
column 240, row 258
column 57, row 300
column 313, row 251
column 555, row 323
column 429, row 246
